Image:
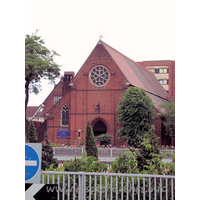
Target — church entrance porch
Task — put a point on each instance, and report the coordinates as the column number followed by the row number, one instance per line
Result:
column 99, row 128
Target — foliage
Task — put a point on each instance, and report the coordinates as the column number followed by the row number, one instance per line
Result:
column 125, row 163
column 169, row 118
column 47, row 156
column 173, row 157
column 90, row 144
column 135, row 113
column 104, row 139
column 149, row 151
column 39, row 64
column 32, row 133
column 85, row 164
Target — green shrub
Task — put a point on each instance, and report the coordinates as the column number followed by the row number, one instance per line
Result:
column 173, row 157
column 85, row 164
column 125, row 163
column 104, row 139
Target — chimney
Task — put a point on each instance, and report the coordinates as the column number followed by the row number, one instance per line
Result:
column 67, row 79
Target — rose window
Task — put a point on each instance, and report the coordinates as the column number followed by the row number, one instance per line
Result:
column 99, row 76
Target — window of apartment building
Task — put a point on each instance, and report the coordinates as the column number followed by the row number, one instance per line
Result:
column 164, row 81
column 151, row 70
column 162, row 71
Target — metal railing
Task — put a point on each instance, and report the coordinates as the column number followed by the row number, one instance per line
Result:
column 104, row 154
column 88, row 185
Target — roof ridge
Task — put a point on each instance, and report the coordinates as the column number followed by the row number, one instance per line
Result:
column 127, row 57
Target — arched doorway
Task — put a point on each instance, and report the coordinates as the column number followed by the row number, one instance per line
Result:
column 99, row 128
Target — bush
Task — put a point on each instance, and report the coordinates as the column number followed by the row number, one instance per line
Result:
column 85, row 164
column 125, row 163
column 104, row 139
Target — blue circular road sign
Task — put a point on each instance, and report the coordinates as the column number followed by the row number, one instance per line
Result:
column 31, row 162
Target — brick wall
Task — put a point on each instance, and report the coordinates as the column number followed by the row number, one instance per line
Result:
column 83, row 97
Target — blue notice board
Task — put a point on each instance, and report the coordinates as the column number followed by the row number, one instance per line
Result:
column 63, row 133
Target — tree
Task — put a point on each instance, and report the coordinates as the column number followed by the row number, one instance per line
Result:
column 32, row 133
column 148, row 149
column 169, row 118
column 135, row 113
column 47, row 154
column 90, row 144
column 39, row 64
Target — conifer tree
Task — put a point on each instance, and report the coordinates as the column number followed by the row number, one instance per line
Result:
column 90, row 144
column 32, row 133
column 47, row 154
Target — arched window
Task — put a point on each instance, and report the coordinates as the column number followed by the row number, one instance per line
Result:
column 65, row 116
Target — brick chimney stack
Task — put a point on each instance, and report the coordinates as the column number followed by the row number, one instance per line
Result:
column 67, row 79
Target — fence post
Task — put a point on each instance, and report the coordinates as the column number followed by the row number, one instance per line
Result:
column 80, row 196
column 111, row 149
column 54, row 151
column 82, row 150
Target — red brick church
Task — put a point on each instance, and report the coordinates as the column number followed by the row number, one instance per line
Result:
column 94, row 94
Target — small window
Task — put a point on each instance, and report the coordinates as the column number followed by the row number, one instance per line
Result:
column 165, row 82
column 165, row 70
column 65, row 116
column 156, row 71
column 161, row 81
column 161, row 71
column 55, row 100
column 59, row 98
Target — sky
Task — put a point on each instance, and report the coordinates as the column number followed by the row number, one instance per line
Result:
column 142, row 30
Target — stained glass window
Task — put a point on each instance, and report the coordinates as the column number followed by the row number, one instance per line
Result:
column 65, row 115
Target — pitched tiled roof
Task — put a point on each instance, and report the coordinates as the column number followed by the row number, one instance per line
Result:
column 138, row 76
column 31, row 110
column 34, row 111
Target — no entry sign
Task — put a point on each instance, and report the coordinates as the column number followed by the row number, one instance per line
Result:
column 33, row 162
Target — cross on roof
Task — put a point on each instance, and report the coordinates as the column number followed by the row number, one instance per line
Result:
column 100, row 36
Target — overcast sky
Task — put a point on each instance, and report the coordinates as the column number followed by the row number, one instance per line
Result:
column 140, row 29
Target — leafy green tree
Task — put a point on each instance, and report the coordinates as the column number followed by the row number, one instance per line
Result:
column 136, row 114
column 169, row 118
column 32, row 133
column 39, row 64
column 90, row 144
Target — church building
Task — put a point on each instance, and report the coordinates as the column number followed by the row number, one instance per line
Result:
column 94, row 93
